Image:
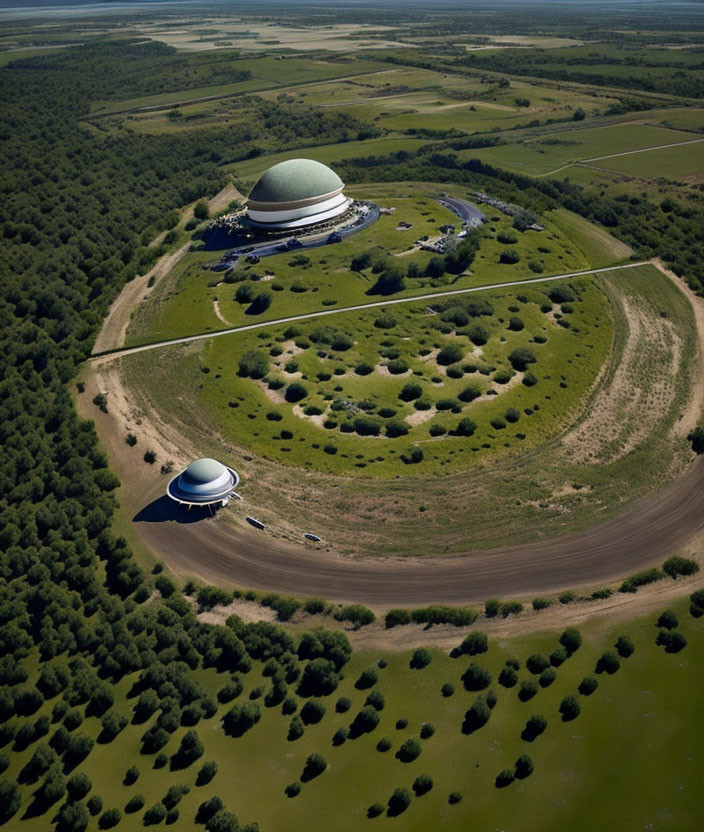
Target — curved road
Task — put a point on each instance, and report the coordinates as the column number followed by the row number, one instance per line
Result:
column 644, row 534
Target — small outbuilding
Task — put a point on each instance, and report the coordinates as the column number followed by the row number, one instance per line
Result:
column 205, row 482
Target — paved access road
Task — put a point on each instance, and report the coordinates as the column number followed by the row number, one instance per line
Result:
column 186, row 339
column 466, row 211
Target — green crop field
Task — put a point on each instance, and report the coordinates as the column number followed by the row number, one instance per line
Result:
column 686, row 162
column 655, row 784
column 548, row 155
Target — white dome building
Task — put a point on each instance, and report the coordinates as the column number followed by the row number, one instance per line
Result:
column 296, row 194
column 205, row 482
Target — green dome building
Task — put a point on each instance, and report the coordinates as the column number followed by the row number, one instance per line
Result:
column 295, row 194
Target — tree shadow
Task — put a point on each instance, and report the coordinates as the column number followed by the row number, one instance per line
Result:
column 164, row 509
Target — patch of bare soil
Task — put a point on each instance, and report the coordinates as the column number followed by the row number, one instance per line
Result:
column 629, row 408
column 248, row 611
column 219, row 315
column 420, row 416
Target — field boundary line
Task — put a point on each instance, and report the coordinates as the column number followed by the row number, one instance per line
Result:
column 186, row 339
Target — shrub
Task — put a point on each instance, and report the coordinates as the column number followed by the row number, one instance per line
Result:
column 569, row 708
column 449, row 354
column 395, row 429
column 253, row 364
column 397, row 617
column 383, row 745
column 155, row 814
column 397, row 367
column 260, row 304
column 414, row 457
column 421, row 658
column 520, row 358
column 562, row 294
column 363, row 369
column 340, row 736
column 588, row 685
column 557, row 657
column 78, row 786
column 515, row 324
column 375, row 810
column 239, row 719
column 108, row 819
column 365, row 722
column 478, row 335
column 207, row 772
column 469, row 393
column 676, row 566
column 447, row 690
column 376, row 700
column 367, row 679
column 465, row 427
column 295, row 392
column 507, row 237
column 454, row 797
column 295, row 729
column 509, row 257
column 427, row 729
column 448, row 404
column 529, row 379
column 292, row 789
column 608, row 663
column 131, row 776
column 343, row 705
column 95, row 805
column 366, row 426
column 648, row 576
column 410, row 391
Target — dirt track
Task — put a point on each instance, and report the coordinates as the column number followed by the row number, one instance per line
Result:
column 644, row 534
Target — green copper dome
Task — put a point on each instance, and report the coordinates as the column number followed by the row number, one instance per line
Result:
column 295, row 179
column 203, row 470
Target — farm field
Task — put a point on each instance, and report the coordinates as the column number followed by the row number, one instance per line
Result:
column 686, row 162
column 631, row 708
column 184, row 303
column 547, row 156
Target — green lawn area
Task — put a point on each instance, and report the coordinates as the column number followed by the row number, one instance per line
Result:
column 630, row 760
column 543, row 156
column 183, row 303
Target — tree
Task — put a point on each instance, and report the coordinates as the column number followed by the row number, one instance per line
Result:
column 315, row 765
column 672, row 640
column 571, row 640
column 364, row 723
column 676, row 565
column 259, row 304
column 95, row 804
column 293, row 789
column 569, row 708
column 312, row 712
column 504, row 778
column 223, row 821
column 508, row 677
column 536, row 663
column 535, row 726
column 421, row 658
column 72, row 817
column 509, row 256
column 668, row 620
column 367, row 679
column 410, row 391
column 447, row 690
column 110, row 818
column 399, row 801
column 190, row 749
column 422, row 784
column 523, row 767
column 449, row 354
column 376, row 700
column 340, row 736
column 200, row 210
column 527, row 690
column 240, row 718
column 208, row 809
column 477, row 716
column 474, row 644
column 390, row 281
column 608, row 663
column 547, row 677
column 134, row 804
column 10, row 800
column 319, row 678
column 624, row 647
column 295, row 729
column 155, row 814
column 578, row 115
column 375, row 810
column 427, row 729
column 409, row 750
column 588, row 685
column 78, row 786
column 476, row 677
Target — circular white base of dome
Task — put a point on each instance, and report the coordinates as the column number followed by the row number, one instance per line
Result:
column 218, row 490
column 278, row 220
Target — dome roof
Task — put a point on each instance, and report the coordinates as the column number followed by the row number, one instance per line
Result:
column 293, row 180
column 203, row 470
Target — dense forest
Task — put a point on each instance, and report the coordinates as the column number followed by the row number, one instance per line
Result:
column 77, row 211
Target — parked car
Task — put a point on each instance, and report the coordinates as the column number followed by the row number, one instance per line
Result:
column 254, row 522
column 334, row 238
column 252, row 258
column 311, row 536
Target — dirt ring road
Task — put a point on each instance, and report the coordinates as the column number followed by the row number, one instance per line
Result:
column 646, row 533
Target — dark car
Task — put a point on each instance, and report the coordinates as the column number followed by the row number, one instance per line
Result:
column 311, row 536
column 252, row 258
column 294, row 243
column 334, row 238
column 248, row 249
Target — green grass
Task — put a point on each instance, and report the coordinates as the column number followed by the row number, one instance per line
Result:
column 631, row 760
column 547, row 155
column 667, row 163
column 182, row 304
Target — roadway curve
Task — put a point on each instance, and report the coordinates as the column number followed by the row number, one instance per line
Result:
column 646, row 533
